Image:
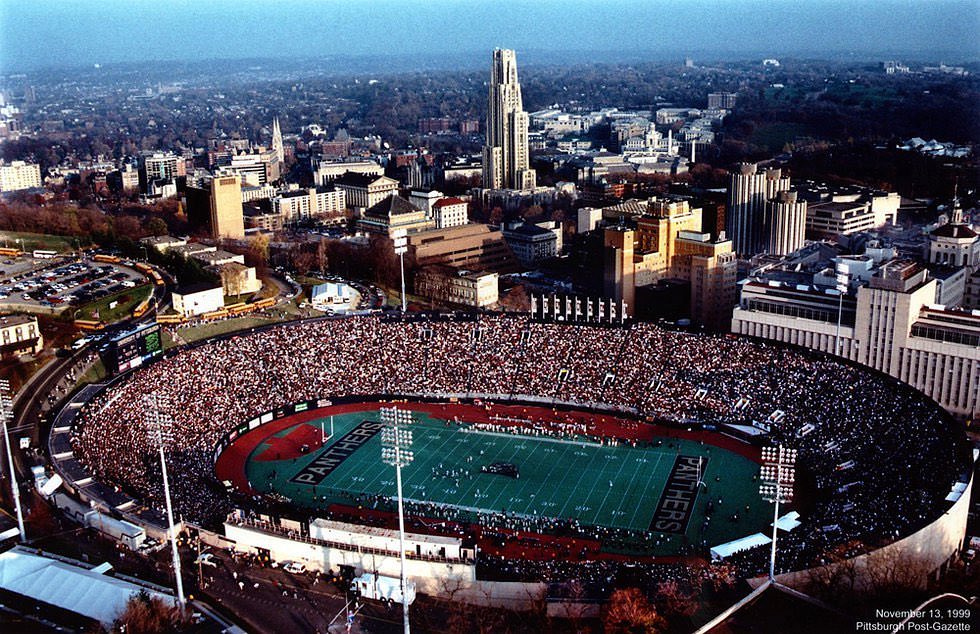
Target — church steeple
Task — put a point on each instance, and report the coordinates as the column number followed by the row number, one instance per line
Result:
column 956, row 217
column 277, row 141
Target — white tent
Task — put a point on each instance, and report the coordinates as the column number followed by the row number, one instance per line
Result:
column 788, row 522
column 72, row 588
column 728, row 549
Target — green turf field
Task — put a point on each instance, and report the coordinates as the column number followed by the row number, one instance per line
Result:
column 612, row 486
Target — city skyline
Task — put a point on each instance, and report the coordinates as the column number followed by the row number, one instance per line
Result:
column 61, row 34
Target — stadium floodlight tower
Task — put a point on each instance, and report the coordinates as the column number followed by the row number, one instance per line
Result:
column 396, row 450
column 7, row 414
column 400, row 241
column 159, row 428
column 778, row 475
column 843, row 282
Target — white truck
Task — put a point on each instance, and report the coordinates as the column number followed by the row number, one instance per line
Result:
column 382, row 588
column 130, row 535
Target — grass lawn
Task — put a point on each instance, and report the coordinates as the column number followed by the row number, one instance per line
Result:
column 191, row 334
column 33, row 241
column 775, row 135
column 127, row 301
column 94, row 374
column 168, row 340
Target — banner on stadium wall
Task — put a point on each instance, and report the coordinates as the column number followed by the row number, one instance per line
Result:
column 267, row 417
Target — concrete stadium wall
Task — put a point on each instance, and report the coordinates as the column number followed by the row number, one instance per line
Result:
column 322, row 557
column 913, row 560
column 448, row 580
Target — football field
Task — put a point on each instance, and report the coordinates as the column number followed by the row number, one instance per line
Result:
column 601, row 485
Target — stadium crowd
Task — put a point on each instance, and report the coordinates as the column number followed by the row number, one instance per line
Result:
column 883, row 457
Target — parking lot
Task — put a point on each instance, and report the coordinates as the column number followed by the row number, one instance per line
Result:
column 20, row 265
column 63, row 284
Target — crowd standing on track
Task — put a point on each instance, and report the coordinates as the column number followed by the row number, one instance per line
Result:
column 883, row 455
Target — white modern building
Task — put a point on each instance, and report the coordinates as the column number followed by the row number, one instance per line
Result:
column 18, row 175
column 197, row 299
column 889, row 323
column 745, row 216
column 304, row 204
column 784, row 223
column 450, row 212
column 325, row 172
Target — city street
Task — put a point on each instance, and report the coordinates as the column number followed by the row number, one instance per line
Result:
column 270, row 600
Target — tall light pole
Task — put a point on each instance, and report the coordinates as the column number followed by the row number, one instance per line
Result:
column 396, row 444
column 159, row 427
column 843, row 278
column 400, row 240
column 7, row 414
column 778, row 475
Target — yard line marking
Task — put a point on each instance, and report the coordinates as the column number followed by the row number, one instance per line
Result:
column 654, row 472
column 615, row 482
column 629, row 488
column 583, row 472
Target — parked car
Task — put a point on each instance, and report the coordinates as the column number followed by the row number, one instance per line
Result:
column 294, row 567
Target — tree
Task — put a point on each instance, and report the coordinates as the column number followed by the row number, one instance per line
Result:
column 673, row 600
column 149, row 615
column 303, row 261
column 517, row 299
column 322, row 255
column 156, row 226
column 630, row 612
column 496, row 216
column 258, row 249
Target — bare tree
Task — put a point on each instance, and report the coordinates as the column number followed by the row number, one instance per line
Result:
column 629, row 612
column 145, row 614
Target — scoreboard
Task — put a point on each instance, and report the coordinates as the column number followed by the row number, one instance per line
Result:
column 132, row 349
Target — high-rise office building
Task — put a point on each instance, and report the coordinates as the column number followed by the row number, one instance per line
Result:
column 254, row 168
column 505, row 155
column 668, row 244
column 748, row 192
column 227, row 219
column 784, row 223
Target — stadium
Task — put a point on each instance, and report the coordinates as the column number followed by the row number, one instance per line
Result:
column 549, row 451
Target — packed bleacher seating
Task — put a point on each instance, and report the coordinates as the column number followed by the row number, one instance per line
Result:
column 904, row 452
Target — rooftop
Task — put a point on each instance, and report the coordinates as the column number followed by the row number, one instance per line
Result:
column 529, row 230
column 954, row 231
column 197, row 287
column 393, row 205
column 355, row 179
column 445, row 202
column 16, row 320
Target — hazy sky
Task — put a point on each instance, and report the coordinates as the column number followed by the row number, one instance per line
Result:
column 36, row 33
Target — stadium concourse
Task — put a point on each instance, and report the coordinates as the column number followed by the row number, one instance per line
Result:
column 876, row 458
